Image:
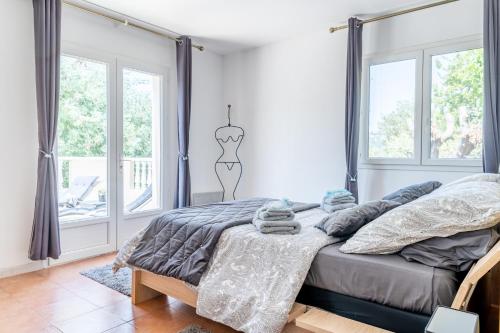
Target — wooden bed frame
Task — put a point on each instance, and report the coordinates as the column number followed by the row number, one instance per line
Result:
column 147, row 285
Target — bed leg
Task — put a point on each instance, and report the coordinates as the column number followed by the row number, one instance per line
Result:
column 141, row 293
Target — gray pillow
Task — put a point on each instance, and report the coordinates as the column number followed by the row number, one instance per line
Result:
column 347, row 221
column 412, row 192
column 456, row 253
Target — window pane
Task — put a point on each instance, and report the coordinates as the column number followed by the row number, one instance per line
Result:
column 82, row 139
column 141, row 140
column 392, row 110
column 457, row 105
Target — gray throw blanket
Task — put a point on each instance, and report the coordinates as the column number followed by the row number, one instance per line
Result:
column 181, row 242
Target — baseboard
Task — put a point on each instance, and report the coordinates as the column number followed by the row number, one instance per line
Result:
column 71, row 256
column 64, row 258
column 21, row 269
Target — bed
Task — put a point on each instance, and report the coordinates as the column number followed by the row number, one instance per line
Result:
column 382, row 290
column 147, row 285
column 340, row 283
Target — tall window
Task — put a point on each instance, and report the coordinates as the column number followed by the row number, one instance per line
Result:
column 425, row 107
column 141, row 140
column 392, row 110
column 457, row 105
column 82, row 138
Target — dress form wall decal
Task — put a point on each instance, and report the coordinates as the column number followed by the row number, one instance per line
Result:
column 228, row 166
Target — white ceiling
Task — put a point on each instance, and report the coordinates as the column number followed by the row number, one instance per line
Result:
column 226, row 26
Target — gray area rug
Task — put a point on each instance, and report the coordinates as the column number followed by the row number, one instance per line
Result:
column 120, row 281
column 194, row 329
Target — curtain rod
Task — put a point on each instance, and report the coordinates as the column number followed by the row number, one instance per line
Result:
column 126, row 22
column 397, row 13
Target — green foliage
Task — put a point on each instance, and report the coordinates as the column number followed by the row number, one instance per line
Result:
column 82, row 126
column 137, row 106
column 82, row 108
column 457, row 105
column 394, row 138
column 457, row 111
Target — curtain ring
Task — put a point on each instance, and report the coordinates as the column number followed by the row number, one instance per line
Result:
column 184, row 157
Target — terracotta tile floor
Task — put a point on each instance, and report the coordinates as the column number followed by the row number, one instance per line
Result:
column 59, row 299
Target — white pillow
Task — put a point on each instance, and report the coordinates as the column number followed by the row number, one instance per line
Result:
column 471, row 203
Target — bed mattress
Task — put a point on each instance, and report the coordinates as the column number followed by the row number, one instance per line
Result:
column 385, row 279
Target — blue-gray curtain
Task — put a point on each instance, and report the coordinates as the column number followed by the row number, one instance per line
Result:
column 45, row 233
column 352, row 103
column 183, row 191
column 491, row 119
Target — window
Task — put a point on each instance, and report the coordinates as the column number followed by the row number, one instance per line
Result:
column 141, row 140
column 456, row 105
column 109, row 138
column 425, row 107
column 392, row 110
column 82, row 138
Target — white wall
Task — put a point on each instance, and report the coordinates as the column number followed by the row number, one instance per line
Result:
column 18, row 132
column 289, row 97
column 18, row 126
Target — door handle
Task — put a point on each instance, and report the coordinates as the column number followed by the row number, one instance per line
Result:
column 123, row 160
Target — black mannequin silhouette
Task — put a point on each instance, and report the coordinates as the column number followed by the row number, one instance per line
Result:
column 228, row 166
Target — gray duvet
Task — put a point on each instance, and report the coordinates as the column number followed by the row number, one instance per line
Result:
column 181, row 242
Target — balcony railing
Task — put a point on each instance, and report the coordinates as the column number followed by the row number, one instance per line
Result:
column 137, row 172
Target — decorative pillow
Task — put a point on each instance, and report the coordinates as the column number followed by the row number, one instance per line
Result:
column 456, row 253
column 347, row 221
column 472, row 203
column 412, row 192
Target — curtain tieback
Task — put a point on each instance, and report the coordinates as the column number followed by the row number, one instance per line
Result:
column 352, row 179
column 45, row 154
column 184, row 157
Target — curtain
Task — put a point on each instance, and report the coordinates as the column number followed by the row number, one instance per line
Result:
column 352, row 103
column 491, row 119
column 183, row 191
column 45, row 233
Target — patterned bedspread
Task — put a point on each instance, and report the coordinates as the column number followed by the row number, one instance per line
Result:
column 253, row 279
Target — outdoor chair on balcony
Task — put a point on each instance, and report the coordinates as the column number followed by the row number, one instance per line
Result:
column 79, row 188
column 141, row 200
column 72, row 200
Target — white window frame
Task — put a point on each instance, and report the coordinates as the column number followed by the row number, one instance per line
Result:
column 365, row 107
column 162, row 72
column 423, row 90
column 78, row 52
column 115, row 63
column 427, row 100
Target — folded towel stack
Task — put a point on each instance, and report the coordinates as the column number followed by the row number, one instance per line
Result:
column 337, row 200
column 276, row 217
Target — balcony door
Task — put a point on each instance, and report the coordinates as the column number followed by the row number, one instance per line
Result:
column 109, row 150
column 141, row 177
